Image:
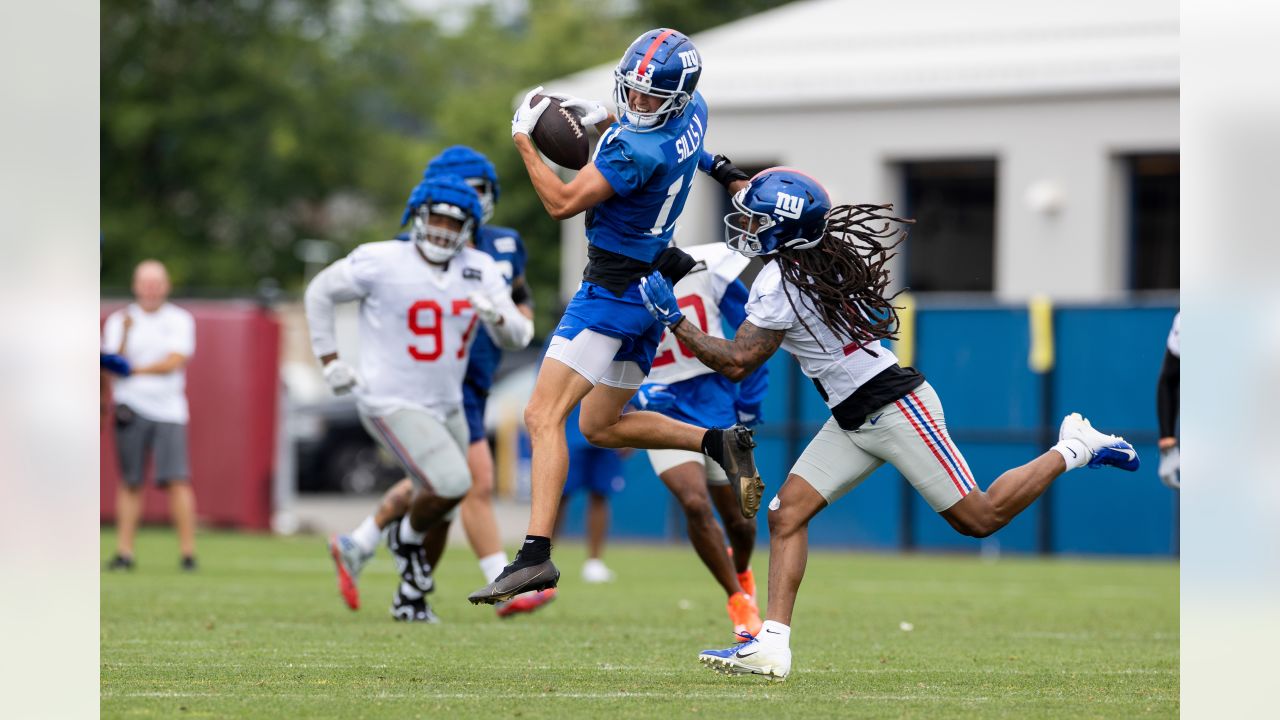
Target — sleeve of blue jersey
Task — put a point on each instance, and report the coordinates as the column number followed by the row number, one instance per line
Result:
column 733, row 306
column 520, row 257
column 624, row 165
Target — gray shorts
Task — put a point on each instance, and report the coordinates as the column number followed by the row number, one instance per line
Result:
column 910, row 433
column 137, row 435
column 664, row 460
column 431, row 452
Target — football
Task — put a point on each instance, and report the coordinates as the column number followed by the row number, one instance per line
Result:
column 561, row 136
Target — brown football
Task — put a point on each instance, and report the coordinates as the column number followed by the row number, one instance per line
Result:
column 560, row 136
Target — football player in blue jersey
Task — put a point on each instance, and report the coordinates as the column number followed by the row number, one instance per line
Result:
column 681, row 387
column 633, row 192
column 505, row 246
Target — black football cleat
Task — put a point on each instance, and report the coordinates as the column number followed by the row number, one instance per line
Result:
column 404, row 609
column 516, row 579
column 740, row 465
column 121, row 562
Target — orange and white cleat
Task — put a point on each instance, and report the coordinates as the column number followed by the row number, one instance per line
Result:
column 348, row 560
column 748, row 582
column 526, row 603
column 744, row 614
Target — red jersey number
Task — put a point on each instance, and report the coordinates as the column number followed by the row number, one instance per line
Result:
column 425, row 320
column 700, row 313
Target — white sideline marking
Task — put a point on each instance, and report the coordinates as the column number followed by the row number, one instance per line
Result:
column 615, row 695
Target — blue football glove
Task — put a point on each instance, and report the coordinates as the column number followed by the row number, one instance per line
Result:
column 115, row 364
column 749, row 414
column 654, row 396
column 660, row 299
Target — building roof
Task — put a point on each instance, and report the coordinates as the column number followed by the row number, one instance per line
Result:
column 851, row 52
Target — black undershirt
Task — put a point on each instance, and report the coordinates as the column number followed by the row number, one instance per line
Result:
column 616, row 272
column 613, row 271
column 888, row 385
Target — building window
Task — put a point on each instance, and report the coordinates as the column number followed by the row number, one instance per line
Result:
column 1153, row 221
column 951, row 248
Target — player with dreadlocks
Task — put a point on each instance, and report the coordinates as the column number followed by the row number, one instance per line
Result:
column 823, row 297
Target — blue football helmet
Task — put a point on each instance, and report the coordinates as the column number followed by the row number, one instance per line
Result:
column 663, row 63
column 782, row 209
column 471, row 166
column 441, row 196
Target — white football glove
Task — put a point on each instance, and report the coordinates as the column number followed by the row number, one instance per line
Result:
column 591, row 112
column 1170, row 467
column 340, row 376
column 484, row 308
column 526, row 117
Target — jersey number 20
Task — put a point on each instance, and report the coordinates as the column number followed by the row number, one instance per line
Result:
column 700, row 311
column 425, row 318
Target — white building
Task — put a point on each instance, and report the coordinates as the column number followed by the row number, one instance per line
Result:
column 1035, row 142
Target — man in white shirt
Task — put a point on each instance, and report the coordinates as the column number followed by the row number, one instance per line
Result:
column 156, row 339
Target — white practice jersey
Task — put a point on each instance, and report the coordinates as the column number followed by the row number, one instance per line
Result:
column 416, row 324
column 698, row 294
column 835, row 363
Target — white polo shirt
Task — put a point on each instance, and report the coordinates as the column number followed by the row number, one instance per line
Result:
column 152, row 337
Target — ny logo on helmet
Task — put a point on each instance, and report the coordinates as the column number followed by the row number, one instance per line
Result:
column 689, row 58
column 789, row 206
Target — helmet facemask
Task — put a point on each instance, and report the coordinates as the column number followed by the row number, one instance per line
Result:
column 673, row 101
column 743, row 228
column 440, row 230
column 484, row 188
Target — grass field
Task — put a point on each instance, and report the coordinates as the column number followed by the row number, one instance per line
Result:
column 260, row 631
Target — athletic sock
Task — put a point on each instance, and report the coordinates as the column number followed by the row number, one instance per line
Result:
column 409, row 591
column 367, row 535
column 536, row 549
column 491, row 566
column 713, row 445
column 408, row 535
column 774, row 634
column 1074, row 451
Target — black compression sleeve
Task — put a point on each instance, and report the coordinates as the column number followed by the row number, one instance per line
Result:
column 724, row 171
column 1167, row 395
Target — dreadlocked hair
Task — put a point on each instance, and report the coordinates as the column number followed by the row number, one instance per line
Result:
column 844, row 278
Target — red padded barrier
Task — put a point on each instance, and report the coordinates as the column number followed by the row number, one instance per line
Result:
column 233, row 389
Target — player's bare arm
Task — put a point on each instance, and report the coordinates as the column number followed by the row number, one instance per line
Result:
column 172, row 362
column 736, row 358
column 562, row 200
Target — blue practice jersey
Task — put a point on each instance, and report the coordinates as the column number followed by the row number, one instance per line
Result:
column 651, row 173
column 507, row 249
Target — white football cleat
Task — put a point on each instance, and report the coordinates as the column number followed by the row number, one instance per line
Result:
column 1103, row 449
column 348, row 561
column 595, row 571
column 749, row 658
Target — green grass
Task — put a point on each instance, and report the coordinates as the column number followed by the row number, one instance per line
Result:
column 260, row 632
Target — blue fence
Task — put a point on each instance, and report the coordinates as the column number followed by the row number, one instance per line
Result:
column 999, row 413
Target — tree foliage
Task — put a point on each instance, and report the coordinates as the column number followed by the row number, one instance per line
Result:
column 231, row 130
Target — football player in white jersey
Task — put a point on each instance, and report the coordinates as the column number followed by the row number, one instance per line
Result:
column 352, row 551
column 420, row 303
column 681, row 387
column 822, row 297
